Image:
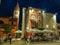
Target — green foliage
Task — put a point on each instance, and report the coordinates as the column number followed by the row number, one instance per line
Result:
column 7, row 29
column 40, row 28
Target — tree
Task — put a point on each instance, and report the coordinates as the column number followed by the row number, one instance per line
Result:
column 7, row 29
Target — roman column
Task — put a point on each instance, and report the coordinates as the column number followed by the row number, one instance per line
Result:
column 23, row 22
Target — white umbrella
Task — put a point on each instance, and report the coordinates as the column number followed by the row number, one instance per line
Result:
column 47, row 31
column 35, row 31
column 18, row 31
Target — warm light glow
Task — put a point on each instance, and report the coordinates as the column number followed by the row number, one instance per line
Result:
column 53, row 26
column 46, row 26
column 39, row 11
column 43, row 12
column 31, row 11
column 27, row 27
column 30, row 29
column 17, row 14
column 54, row 17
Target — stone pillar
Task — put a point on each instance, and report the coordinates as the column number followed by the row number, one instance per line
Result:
column 55, row 23
column 43, row 13
column 23, row 22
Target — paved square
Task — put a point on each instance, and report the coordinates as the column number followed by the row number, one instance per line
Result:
column 21, row 42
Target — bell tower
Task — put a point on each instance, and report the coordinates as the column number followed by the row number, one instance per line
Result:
column 16, row 16
column 16, row 11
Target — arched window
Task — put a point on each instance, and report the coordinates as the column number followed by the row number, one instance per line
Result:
column 1, row 22
column 33, row 24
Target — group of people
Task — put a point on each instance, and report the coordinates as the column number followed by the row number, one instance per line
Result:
column 8, row 38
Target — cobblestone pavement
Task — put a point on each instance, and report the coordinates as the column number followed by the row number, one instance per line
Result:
column 31, row 43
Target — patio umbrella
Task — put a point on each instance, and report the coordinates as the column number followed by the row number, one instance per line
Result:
column 48, row 31
column 18, row 31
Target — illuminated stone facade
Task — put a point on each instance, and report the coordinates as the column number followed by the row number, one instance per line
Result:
column 35, row 18
column 40, row 18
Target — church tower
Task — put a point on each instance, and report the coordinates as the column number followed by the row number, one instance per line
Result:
column 16, row 16
column 16, row 11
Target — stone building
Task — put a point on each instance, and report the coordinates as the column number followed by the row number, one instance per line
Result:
column 12, row 20
column 40, row 18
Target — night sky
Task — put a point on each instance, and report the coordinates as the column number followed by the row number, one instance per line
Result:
column 7, row 6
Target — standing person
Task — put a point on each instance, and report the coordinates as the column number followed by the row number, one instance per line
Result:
column 10, row 38
column 29, row 36
column 25, row 37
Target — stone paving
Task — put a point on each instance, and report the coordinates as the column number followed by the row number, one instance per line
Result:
column 21, row 42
